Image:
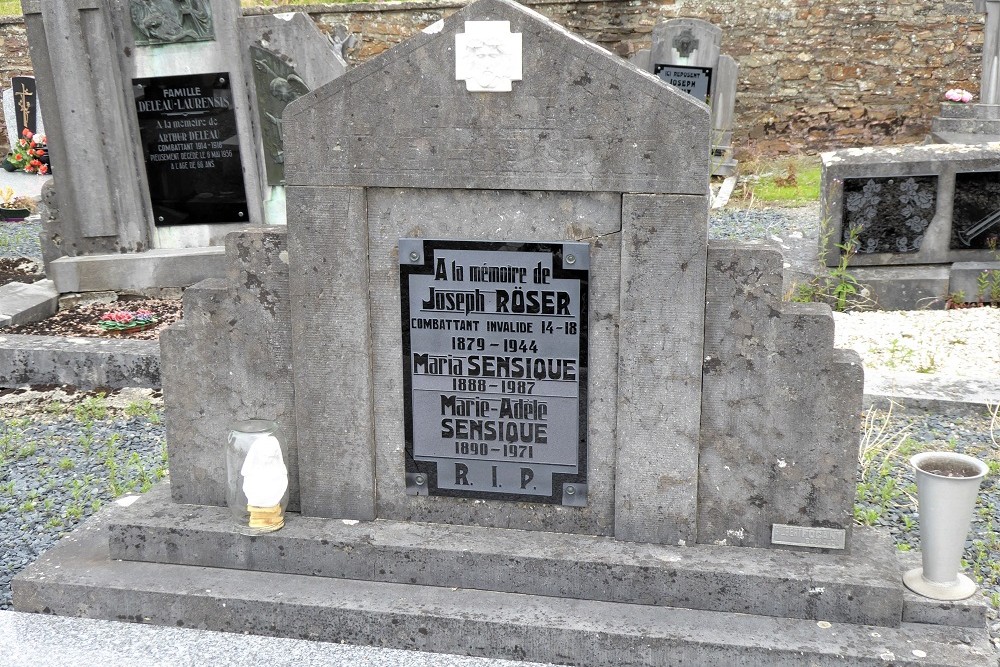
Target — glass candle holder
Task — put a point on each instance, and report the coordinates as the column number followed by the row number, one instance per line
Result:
column 256, row 475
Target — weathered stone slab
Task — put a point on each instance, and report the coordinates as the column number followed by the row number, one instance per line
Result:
column 285, row 56
column 659, row 371
column 331, row 350
column 76, row 64
column 968, row 279
column 780, row 417
column 135, row 271
column 896, row 182
column 230, row 360
column 905, row 287
column 27, row 302
column 78, row 577
column 543, row 135
column 82, row 362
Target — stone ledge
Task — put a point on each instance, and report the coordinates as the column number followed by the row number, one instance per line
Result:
column 77, row 577
column 162, row 267
column 864, row 587
column 85, row 363
column 21, row 303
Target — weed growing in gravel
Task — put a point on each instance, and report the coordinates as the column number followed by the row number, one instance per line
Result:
column 837, row 286
column 143, row 408
column 878, row 490
column 91, row 408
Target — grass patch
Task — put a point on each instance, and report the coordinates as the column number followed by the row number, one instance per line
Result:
column 788, row 181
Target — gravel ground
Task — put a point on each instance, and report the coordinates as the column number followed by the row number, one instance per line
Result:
column 61, row 456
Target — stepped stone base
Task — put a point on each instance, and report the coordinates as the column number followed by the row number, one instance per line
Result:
column 499, row 593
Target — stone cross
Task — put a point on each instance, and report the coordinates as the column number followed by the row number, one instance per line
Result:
column 989, row 88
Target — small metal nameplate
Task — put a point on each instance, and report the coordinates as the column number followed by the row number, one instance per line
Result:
column 800, row 536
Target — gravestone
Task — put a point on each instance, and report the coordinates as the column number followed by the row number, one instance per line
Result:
column 686, row 54
column 917, row 219
column 531, row 411
column 980, row 122
column 286, row 56
column 168, row 165
column 21, row 108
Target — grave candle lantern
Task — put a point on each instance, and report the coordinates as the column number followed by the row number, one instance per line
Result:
column 256, row 475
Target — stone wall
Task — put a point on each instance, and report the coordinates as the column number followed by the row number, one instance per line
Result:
column 813, row 76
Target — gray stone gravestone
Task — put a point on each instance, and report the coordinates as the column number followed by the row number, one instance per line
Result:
column 516, row 249
column 286, row 56
column 21, row 108
column 919, row 218
column 980, row 122
column 155, row 131
column 686, row 54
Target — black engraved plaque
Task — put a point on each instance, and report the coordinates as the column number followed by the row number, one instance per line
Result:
column 25, row 105
column 888, row 215
column 695, row 81
column 190, row 142
column 976, row 218
column 495, row 369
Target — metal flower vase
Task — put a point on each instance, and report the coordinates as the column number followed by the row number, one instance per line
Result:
column 256, row 475
column 947, row 487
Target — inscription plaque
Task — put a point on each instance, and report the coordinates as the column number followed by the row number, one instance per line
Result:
column 187, row 125
column 495, row 369
column 800, row 536
column 26, row 104
column 695, row 81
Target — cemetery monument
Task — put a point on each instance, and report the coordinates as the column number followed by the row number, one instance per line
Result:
column 529, row 410
column 146, row 199
column 686, row 54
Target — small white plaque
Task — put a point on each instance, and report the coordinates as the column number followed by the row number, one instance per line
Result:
column 801, row 536
column 488, row 56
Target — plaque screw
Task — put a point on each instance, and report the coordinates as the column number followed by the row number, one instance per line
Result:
column 414, row 256
column 419, row 479
column 222, row 79
column 571, row 259
column 241, row 214
column 160, row 219
column 570, row 490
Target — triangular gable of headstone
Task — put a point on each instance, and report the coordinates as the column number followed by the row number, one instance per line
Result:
column 390, row 122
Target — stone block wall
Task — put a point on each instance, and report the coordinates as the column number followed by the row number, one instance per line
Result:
column 813, row 76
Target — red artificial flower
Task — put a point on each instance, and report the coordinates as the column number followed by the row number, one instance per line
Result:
column 44, row 169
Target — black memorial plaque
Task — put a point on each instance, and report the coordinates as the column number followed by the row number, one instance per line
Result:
column 25, row 105
column 495, row 369
column 190, row 142
column 976, row 215
column 695, row 81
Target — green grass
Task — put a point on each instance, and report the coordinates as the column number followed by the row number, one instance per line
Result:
column 10, row 7
column 789, row 181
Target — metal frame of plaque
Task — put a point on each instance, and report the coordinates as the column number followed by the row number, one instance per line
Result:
column 699, row 77
column 190, row 143
column 495, row 369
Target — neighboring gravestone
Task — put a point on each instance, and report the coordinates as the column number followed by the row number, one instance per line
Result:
column 286, row 57
column 530, row 408
column 931, row 207
column 154, row 132
column 976, row 123
column 21, row 108
column 685, row 54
